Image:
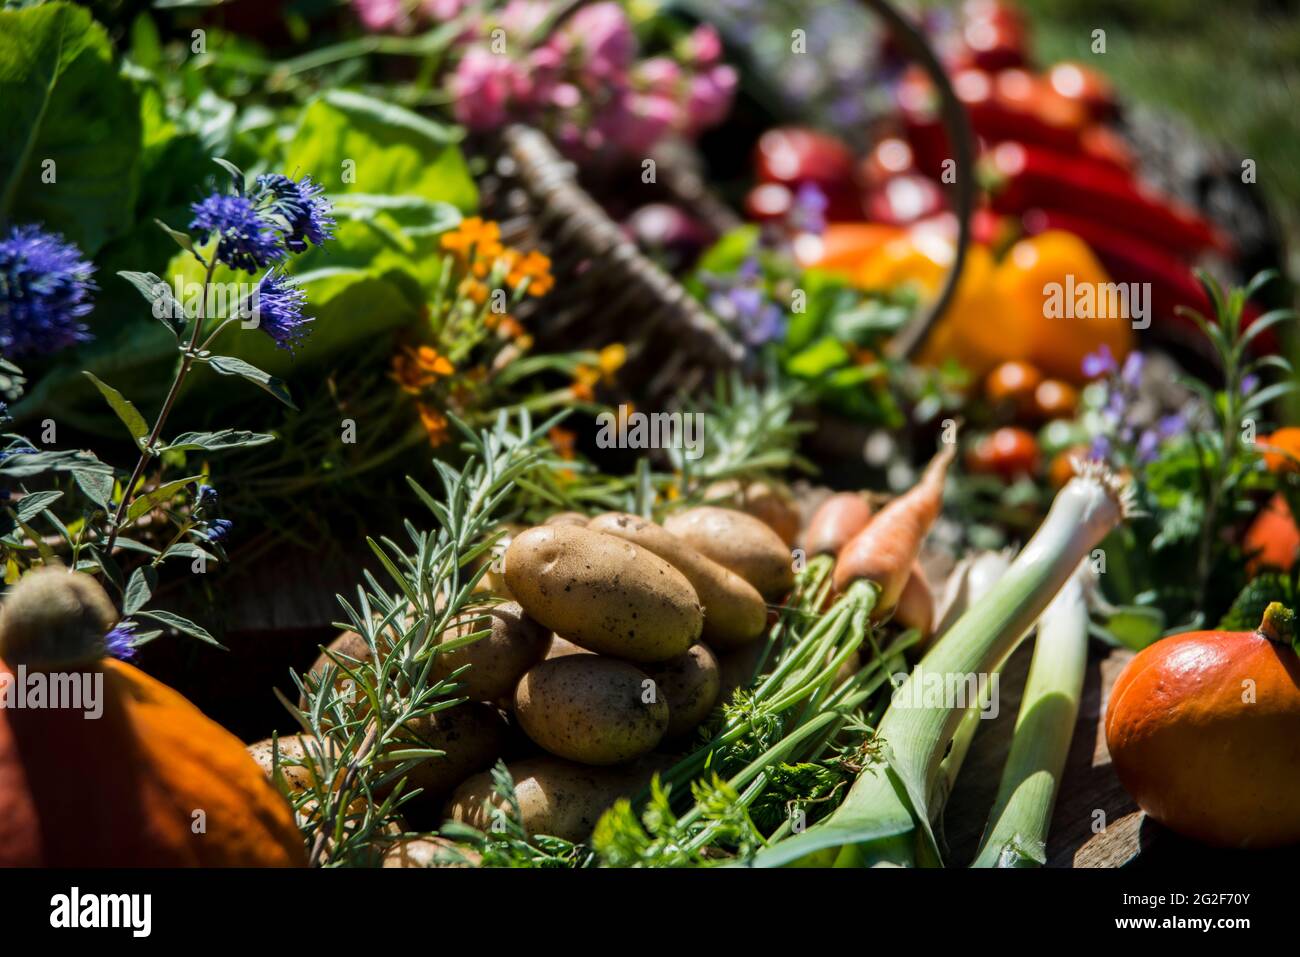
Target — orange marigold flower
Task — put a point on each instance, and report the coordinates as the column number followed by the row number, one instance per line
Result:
column 562, row 440
column 435, row 424
column 582, row 392
column 430, row 360
column 611, row 359
column 408, row 373
column 473, row 290
column 510, row 327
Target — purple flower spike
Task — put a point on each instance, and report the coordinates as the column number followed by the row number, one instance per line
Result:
column 276, row 306
column 120, row 642
column 1099, row 363
column 305, row 211
column 247, row 240
column 45, row 286
column 1132, row 371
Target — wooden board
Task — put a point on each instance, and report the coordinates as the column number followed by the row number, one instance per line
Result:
column 1095, row 823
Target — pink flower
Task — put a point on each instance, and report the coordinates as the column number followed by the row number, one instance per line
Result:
column 704, row 46
column 710, row 97
column 605, row 37
column 441, row 10
column 382, row 15
column 482, row 87
column 521, row 19
column 660, row 75
column 636, row 122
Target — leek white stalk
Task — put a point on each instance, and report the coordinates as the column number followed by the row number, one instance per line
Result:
column 1016, row 835
column 885, row 818
column 978, row 574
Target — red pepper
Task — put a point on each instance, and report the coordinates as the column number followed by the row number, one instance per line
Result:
column 903, row 199
column 792, row 156
column 1077, row 82
column 1028, row 178
column 1129, row 259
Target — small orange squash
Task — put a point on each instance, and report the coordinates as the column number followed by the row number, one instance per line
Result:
column 125, row 789
column 1204, row 733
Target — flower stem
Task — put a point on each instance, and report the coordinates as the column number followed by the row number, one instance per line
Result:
column 187, row 361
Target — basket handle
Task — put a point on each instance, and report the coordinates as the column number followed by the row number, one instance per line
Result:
column 912, row 336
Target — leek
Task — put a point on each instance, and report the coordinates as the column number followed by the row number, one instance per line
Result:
column 1016, row 835
column 885, row 818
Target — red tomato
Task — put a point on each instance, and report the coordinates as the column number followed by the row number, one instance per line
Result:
column 1009, row 452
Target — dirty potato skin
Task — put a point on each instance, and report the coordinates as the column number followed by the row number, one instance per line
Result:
column 349, row 647
column 740, row 542
column 589, row 708
column 603, row 593
column 556, row 797
column 429, row 852
column 690, row 684
column 472, row 734
column 734, row 613
column 497, row 660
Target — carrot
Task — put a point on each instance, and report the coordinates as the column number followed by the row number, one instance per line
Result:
column 836, row 521
column 884, row 551
column 916, row 604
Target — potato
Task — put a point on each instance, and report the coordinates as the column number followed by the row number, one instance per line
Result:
column 556, row 797
column 291, row 747
column 563, row 647
column 576, row 519
column 734, row 612
column 349, row 647
column 603, row 593
column 498, row 660
column 690, row 684
column 591, row 709
column 429, row 851
column 770, row 502
column 740, row 542
column 472, row 734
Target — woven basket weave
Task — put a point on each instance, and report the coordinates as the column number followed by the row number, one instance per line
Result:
column 610, row 291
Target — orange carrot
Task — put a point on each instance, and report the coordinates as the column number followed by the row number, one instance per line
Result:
column 884, row 551
column 836, row 521
column 916, row 604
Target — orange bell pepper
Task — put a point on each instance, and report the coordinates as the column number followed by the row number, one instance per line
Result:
column 1053, row 289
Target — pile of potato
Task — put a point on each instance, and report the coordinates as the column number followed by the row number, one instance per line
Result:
column 599, row 667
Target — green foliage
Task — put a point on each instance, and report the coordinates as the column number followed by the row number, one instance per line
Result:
column 70, row 114
column 1247, row 610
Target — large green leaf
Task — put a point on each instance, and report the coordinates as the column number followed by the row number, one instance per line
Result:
column 355, row 144
column 65, row 103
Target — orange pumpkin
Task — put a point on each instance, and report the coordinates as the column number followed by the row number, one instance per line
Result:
column 1272, row 539
column 1204, row 733
column 150, row 782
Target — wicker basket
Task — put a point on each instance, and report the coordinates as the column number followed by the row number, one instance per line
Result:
column 613, row 292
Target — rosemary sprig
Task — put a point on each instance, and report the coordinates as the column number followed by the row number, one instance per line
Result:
column 356, row 744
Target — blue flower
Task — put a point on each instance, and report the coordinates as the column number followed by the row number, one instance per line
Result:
column 218, row 529
column 1099, row 363
column 206, row 498
column 303, row 208
column 247, row 240
column 276, row 306
column 120, row 642
column 808, row 211
column 45, row 286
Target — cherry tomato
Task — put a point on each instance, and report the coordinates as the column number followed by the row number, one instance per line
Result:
column 1009, row 452
column 1062, row 468
column 1013, row 383
column 1054, row 399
